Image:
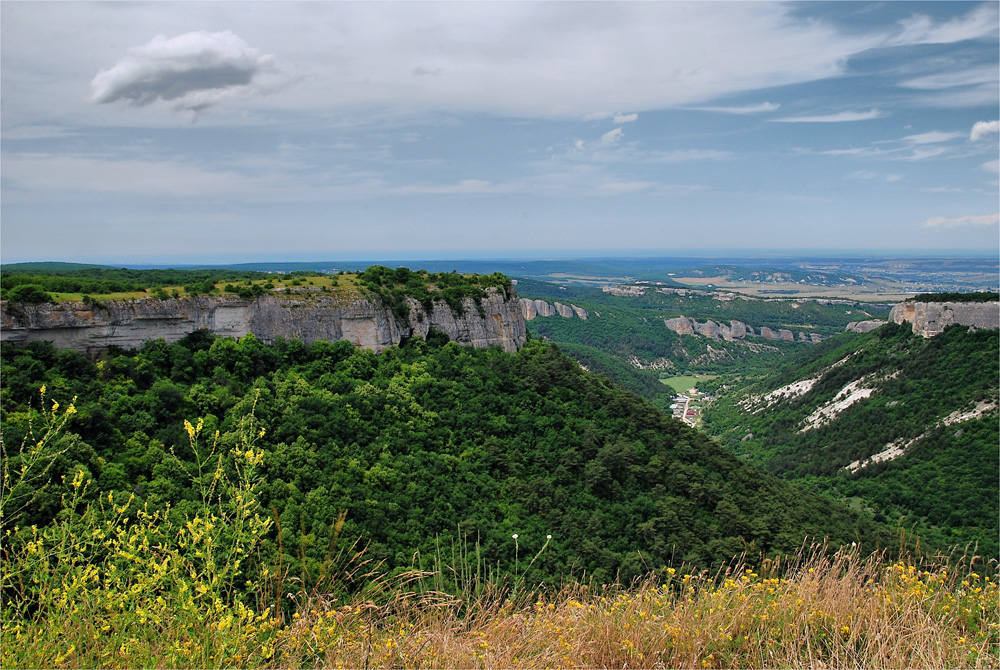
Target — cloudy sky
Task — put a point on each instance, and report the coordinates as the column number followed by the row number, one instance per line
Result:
column 240, row 131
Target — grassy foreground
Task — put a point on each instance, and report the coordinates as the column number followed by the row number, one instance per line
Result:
column 110, row 584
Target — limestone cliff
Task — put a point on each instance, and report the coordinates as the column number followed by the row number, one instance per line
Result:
column 864, row 326
column 931, row 318
column 736, row 330
column 365, row 322
column 533, row 309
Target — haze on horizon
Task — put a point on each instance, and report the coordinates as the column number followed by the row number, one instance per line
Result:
column 231, row 131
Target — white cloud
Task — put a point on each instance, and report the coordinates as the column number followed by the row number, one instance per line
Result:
column 984, row 95
column 464, row 187
column 840, row 117
column 932, row 137
column 684, row 155
column 977, row 221
column 872, row 175
column 979, row 23
column 520, row 59
column 854, row 151
column 611, row 151
column 944, row 80
column 921, row 154
column 991, row 166
column 612, row 136
column 34, row 132
column 192, row 71
column 745, row 109
column 48, row 173
column 625, row 118
column 982, row 129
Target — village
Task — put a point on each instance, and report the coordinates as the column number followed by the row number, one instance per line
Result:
column 687, row 406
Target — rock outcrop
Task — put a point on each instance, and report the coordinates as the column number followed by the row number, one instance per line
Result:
column 780, row 334
column 931, row 318
column 625, row 291
column 680, row 325
column 365, row 322
column 565, row 311
column 736, row 330
column 536, row 308
column 864, row 326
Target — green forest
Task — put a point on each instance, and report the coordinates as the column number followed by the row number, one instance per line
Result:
column 424, row 448
column 944, row 485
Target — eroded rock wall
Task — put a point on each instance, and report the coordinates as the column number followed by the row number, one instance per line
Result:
column 931, row 318
column 535, row 308
column 364, row 322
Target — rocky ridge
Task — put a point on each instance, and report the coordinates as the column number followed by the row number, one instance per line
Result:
column 931, row 318
column 535, row 308
column 736, row 330
column 862, row 327
column 367, row 323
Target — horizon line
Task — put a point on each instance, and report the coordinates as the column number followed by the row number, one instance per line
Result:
column 539, row 255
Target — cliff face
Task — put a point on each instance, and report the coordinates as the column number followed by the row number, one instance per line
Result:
column 736, row 330
column 365, row 323
column 864, row 326
column 931, row 318
column 535, row 308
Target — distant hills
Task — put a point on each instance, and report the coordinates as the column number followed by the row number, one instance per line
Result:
column 777, row 272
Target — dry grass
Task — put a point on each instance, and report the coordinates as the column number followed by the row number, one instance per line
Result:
column 819, row 611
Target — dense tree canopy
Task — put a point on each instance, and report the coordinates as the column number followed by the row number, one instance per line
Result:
column 944, row 485
column 425, row 447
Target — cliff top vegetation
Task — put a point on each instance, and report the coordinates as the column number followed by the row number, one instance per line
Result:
column 40, row 283
column 394, row 286
column 979, row 296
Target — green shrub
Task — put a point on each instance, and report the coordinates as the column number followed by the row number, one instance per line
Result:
column 29, row 294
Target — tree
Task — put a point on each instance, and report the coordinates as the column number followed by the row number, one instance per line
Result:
column 29, row 294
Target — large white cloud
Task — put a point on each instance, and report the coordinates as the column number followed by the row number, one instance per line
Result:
column 983, row 129
column 192, row 71
column 528, row 59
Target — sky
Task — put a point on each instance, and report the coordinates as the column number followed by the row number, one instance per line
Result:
column 173, row 132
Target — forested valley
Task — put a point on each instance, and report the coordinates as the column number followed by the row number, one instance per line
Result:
column 924, row 395
column 421, row 448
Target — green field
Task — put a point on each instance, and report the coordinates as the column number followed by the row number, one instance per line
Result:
column 685, row 383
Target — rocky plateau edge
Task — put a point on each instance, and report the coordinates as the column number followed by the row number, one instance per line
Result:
column 365, row 322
